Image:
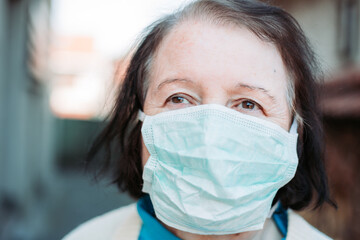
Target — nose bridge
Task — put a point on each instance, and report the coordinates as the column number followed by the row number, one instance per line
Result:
column 214, row 95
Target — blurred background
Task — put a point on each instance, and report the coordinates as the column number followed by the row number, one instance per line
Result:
column 57, row 62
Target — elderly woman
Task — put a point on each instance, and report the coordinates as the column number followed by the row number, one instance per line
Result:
column 216, row 129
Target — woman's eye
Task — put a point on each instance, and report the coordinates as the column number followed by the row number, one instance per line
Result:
column 178, row 100
column 248, row 105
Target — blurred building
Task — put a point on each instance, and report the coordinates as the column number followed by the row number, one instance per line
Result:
column 26, row 149
column 332, row 27
column 81, row 78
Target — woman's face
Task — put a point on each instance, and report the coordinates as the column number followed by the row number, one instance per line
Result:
column 199, row 63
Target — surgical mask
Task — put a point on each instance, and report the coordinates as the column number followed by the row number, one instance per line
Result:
column 213, row 170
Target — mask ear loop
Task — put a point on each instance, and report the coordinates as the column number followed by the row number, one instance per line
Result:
column 141, row 116
column 294, row 127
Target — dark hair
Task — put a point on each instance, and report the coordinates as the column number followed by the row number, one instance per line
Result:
column 270, row 24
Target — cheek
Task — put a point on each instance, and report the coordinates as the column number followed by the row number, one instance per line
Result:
column 144, row 153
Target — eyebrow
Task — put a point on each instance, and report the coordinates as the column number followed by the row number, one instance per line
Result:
column 239, row 85
column 168, row 81
column 254, row 88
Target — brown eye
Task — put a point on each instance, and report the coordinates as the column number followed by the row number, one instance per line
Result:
column 178, row 99
column 248, row 105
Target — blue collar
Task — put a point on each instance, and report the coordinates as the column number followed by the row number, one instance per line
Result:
column 151, row 228
column 280, row 217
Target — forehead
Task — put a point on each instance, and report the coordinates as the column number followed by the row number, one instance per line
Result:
column 197, row 44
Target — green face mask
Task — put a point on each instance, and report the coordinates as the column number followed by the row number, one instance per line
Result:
column 213, row 170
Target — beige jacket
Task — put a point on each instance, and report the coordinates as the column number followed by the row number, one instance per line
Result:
column 125, row 224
